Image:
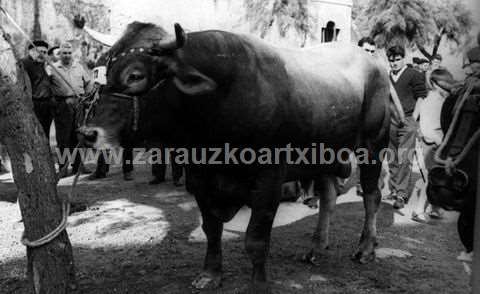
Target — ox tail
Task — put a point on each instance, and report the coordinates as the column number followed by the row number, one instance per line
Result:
column 396, row 106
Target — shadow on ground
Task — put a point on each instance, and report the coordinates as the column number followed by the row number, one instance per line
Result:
column 134, row 238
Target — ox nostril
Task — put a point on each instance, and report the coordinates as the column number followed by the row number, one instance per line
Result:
column 88, row 135
column 91, row 135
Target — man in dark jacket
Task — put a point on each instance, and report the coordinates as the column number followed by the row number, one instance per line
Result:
column 34, row 65
column 410, row 86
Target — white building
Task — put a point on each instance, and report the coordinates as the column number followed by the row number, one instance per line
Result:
column 336, row 12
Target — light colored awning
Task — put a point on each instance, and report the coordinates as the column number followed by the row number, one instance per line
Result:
column 105, row 39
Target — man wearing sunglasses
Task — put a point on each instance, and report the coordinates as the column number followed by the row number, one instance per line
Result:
column 410, row 86
column 34, row 64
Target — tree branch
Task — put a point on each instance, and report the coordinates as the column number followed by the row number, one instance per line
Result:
column 436, row 42
column 424, row 52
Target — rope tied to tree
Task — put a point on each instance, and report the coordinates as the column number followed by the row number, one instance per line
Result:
column 66, row 203
column 82, row 99
column 63, row 223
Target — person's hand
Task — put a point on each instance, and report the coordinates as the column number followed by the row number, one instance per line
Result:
column 48, row 70
column 416, row 110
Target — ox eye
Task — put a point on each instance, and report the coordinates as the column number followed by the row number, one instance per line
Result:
column 134, row 77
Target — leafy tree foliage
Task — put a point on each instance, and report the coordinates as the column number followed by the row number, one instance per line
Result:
column 413, row 22
column 285, row 14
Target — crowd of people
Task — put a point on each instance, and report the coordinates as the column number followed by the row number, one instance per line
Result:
column 59, row 82
column 417, row 87
column 422, row 87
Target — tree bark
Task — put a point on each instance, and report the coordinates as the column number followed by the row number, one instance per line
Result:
column 50, row 267
column 37, row 30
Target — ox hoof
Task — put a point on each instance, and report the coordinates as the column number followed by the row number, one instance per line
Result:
column 364, row 258
column 207, row 281
column 312, row 257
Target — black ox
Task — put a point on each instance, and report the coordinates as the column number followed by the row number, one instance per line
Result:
column 204, row 89
column 453, row 184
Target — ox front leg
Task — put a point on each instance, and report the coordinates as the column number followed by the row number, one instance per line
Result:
column 211, row 276
column 265, row 201
column 369, row 174
column 325, row 188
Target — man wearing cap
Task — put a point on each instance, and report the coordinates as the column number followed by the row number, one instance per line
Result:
column 53, row 54
column 421, row 64
column 34, row 65
column 410, row 86
column 70, row 81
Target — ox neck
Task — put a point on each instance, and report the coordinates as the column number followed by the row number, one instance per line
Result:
column 218, row 54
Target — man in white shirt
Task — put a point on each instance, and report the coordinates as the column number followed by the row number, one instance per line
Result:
column 441, row 82
column 69, row 82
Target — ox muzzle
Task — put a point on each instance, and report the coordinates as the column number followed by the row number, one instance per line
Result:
column 447, row 190
column 87, row 136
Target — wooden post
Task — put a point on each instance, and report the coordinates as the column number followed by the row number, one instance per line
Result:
column 49, row 267
column 476, row 242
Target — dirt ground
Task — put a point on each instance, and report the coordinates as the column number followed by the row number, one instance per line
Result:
column 137, row 238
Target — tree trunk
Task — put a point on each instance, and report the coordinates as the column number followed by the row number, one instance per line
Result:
column 50, row 267
column 37, row 30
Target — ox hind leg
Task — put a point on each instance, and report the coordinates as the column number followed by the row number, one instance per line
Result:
column 265, row 201
column 211, row 275
column 369, row 175
column 325, row 189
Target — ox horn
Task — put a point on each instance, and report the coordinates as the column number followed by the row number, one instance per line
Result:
column 176, row 42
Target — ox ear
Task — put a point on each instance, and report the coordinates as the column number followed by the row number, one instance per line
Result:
column 192, row 82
